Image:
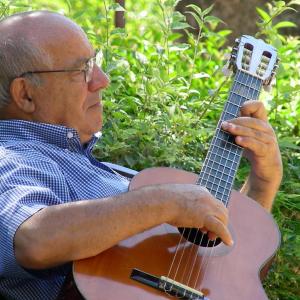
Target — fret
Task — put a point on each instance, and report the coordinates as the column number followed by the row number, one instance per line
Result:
column 241, row 98
column 224, row 155
column 226, row 164
column 232, row 109
column 223, row 185
column 236, row 99
column 228, row 161
column 222, row 137
column 231, row 103
column 248, row 80
column 220, row 175
column 226, row 147
column 221, row 189
column 228, row 115
column 226, row 172
column 253, row 85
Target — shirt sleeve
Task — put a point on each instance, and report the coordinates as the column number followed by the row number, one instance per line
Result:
column 26, row 186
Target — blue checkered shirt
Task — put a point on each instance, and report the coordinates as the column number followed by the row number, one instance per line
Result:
column 43, row 165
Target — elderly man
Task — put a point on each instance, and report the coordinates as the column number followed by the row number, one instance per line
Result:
column 59, row 204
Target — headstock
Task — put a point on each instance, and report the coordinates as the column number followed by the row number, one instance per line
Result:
column 254, row 57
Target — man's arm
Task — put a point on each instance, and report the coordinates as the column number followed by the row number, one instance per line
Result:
column 66, row 232
column 255, row 134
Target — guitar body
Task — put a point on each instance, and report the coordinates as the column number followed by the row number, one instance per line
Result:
column 220, row 272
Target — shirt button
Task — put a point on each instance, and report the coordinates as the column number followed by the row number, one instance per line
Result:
column 70, row 135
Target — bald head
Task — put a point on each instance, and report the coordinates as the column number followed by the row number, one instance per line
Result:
column 36, row 40
column 41, row 28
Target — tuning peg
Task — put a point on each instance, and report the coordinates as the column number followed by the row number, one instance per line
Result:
column 267, row 88
column 237, row 41
column 268, row 84
column 227, row 70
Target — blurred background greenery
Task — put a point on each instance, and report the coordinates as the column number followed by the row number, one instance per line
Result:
column 167, row 91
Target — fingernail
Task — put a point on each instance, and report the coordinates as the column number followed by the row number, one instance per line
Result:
column 231, row 242
column 238, row 139
column 225, row 125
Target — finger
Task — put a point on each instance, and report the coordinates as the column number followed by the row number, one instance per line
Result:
column 257, row 147
column 221, row 212
column 254, row 109
column 246, row 128
column 218, row 208
column 248, row 122
column 212, row 236
column 203, row 229
column 215, row 226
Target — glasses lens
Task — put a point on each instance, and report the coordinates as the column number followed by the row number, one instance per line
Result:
column 89, row 70
column 99, row 58
column 96, row 60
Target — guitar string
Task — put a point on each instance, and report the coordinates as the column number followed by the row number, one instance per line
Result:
column 197, row 232
column 179, row 263
column 211, row 170
column 246, row 98
column 173, row 262
column 193, row 245
column 196, row 236
column 229, row 102
column 255, row 84
column 258, row 85
column 235, row 156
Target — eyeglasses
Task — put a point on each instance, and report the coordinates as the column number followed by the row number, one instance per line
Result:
column 87, row 70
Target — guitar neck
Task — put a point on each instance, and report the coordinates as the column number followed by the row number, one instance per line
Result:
column 224, row 155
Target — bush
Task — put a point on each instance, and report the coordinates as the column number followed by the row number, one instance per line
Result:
column 166, row 96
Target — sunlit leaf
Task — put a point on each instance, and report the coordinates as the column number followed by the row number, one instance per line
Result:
column 180, row 47
column 264, row 15
column 284, row 24
column 201, row 75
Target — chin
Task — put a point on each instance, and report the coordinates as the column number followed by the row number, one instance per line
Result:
column 97, row 126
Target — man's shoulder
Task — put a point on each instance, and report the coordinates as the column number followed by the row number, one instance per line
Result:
column 22, row 153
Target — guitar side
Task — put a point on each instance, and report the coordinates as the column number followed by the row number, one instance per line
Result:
column 230, row 273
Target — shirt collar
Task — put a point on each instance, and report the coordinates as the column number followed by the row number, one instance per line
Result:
column 58, row 135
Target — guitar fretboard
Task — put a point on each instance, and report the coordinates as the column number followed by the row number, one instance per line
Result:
column 224, row 155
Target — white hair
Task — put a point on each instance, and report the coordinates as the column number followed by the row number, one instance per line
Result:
column 17, row 56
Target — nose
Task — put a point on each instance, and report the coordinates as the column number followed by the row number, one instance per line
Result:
column 99, row 80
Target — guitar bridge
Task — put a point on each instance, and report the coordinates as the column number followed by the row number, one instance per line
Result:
column 167, row 285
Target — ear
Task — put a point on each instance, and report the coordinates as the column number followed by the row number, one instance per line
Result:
column 20, row 92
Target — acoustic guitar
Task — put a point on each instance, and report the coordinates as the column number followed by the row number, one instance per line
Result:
column 165, row 262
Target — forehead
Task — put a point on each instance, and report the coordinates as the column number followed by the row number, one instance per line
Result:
column 71, row 49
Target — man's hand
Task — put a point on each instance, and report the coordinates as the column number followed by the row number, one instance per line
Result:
column 196, row 207
column 253, row 132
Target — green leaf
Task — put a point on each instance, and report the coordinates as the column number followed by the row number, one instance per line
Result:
column 288, row 143
column 196, row 17
column 120, row 31
column 294, row 2
column 179, row 25
column 79, row 14
column 208, row 10
column 196, row 8
column 213, row 19
column 116, row 7
column 264, row 15
column 180, row 47
column 201, row 75
column 284, row 24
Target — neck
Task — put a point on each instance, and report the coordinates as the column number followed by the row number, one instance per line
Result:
column 223, row 157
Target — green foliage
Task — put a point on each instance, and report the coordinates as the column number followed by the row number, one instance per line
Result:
column 166, row 96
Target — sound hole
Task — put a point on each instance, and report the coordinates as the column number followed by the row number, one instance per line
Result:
column 195, row 236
